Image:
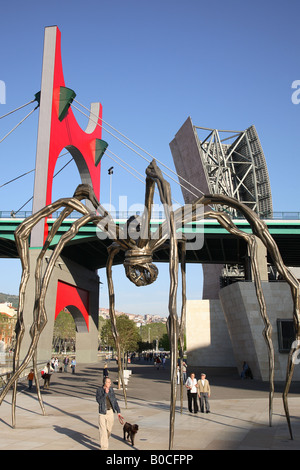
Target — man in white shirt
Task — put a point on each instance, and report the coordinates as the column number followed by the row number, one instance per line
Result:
column 191, row 385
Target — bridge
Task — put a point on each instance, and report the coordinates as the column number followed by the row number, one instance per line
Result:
column 77, row 286
column 219, row 247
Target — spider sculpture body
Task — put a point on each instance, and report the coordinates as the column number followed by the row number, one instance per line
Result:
column 139, row 268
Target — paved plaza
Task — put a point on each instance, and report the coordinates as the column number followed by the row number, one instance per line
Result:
column 238, row 418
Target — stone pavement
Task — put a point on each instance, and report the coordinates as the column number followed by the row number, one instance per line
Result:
column 238, row 418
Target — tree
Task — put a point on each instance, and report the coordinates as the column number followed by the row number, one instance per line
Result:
column 64, row 330
column 101, row 323
column 164, row 342
column 152, row 332
column 128, row 332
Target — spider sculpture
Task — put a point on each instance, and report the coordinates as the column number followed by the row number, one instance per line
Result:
column 139, row 268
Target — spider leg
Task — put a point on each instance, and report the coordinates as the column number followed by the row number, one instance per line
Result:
column 22, row 242
column 227, row 223
column 146, row 217
column 154, row 173
column 39, row 314
column 267, row 332
column 260, row 229
column 183, row 315
column 292, row 354
column 112, row 251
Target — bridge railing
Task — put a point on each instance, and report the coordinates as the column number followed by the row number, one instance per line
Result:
column 76, row 215
column 284, row 215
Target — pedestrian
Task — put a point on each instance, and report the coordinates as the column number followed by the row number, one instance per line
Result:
column 105, row 372
column 191, row 385
column 184, row 366
column 66, row 363
column 47, row 375
column 204, row 393
column 108, row 405
column 246, row 372
column 73, row 365
column 30, row 379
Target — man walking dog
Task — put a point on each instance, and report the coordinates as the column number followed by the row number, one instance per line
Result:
column 108, row 405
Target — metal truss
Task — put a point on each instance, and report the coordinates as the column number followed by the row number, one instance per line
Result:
column 234, row 165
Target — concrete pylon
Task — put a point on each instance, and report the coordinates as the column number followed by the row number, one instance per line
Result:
column 63, row 292
column 71, row 285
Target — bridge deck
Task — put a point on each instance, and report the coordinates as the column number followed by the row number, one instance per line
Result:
column 219, row 246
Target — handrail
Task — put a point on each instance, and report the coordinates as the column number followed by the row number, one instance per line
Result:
column 283, row 215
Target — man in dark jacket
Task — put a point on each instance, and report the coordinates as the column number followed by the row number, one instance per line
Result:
column 108, row 405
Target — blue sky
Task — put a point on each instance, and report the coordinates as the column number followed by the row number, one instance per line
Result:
column 152, row 64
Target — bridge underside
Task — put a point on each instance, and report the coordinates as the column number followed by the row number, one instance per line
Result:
column 217, row 249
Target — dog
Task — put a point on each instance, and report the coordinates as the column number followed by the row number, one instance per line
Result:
column 131, row 430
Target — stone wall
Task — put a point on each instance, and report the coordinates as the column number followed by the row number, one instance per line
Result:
column 226, row 332
column 245, row 325
column 208, row 341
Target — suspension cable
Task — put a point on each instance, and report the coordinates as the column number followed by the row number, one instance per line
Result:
column 144, row 158
column 17, row 109
column 97, row 123
column 143, row 178
column 161, row 163
column 18, row 125
column 18, row 177
column 125, row 163
column 109, row 156
column 145, row 151
column 30, row 199
column 63, row 167
column 27, row 173
column 24, row 205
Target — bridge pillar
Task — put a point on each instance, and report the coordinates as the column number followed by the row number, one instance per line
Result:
column 58, row 129
column 71, row 286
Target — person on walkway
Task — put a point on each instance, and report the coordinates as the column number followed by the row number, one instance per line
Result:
column 246, row 372
column 30, row 379
column 56, row 364
column 47, row 375
column 204, row 393
column 178, row 374
column 73, row 365
column 191, row 385
column 105, row 372
column 184, row 366
column 108, row 405
column 66, row 363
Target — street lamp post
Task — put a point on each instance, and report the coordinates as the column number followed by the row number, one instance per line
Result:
column 110, row 172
